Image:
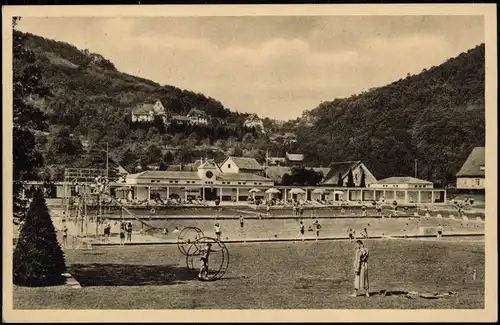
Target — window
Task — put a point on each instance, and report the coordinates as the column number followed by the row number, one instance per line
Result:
column 170, row 181
column 176, row 182
column 152, row 181
column 239, row 183
column 478, row 181
column 228, row 165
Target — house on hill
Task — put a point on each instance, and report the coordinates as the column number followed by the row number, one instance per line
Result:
column 341, row 169
column 253, row 121
column 197, row 117
column 147, row 112
column 472, row 173
column 241, row 165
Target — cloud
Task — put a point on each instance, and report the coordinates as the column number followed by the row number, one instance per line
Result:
column 274, row 66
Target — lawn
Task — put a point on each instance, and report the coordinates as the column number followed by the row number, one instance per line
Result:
column 303, row 275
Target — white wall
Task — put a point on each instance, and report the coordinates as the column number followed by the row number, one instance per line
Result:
column 469, row 182
column 229, row 167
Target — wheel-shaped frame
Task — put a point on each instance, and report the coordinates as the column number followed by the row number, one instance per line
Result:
column 186, row 237
column 217, row 248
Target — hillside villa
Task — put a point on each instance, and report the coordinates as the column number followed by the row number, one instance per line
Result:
column 472, row 174
column 147, row 112
column 253, row 121
column 197, row 117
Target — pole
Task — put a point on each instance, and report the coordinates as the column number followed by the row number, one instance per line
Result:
column 107, row 164
column 416, row 168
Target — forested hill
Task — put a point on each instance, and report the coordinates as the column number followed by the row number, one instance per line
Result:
column 437, row 117
column 91, row 100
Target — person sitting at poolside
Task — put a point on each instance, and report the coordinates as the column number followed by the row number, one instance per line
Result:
column 176, row 230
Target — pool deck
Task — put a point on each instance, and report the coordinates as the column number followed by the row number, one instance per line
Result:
column 139, row 239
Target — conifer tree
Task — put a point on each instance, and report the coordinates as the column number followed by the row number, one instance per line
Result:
column 38, row 257
column 340, row 182
column 362, row 182
column 350, row 179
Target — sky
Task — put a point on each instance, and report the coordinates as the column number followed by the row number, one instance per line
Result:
column 275, row 66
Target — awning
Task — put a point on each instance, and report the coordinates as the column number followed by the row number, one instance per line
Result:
column 254, row 190
column 319, row 191
column 338, row 192
column 273, row 190
column 297, row 191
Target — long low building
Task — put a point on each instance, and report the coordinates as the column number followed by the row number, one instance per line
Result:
column 208, row 183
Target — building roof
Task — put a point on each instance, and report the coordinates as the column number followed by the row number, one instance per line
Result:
column 142, row 109
column 196, row 111
column 208, row 164
column 342, row 167
column 245, row 163
column 122, row 170
column 472, row 166
column 165, row 174
column 252, row 118
column 402, row 180
column 294, row 156
column 242, row 177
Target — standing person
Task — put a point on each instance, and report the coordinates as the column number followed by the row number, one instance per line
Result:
column 122, row 236
column 242, row 222
column 65, row 236
column 128, row 228
column 302, row 229
column 361, row 269
column 365, row 233
column 365, row 213
column 301, row 211
column 205, row 253
column 318, row 227
column 107, row 231
column 218, row 231
column 268, row 210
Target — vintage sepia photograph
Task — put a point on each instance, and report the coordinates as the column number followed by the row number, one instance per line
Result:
column 263, row 159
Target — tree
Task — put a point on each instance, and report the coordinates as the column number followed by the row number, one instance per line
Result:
column 362, row 182
column 27, row 82
column 38, row 258
column 350, row 179
column 340, row 182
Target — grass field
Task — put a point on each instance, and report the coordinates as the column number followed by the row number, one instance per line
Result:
column 270, row 275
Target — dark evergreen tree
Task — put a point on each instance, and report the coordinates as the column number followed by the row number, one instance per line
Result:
column 340, row 182
column 38, row 258
column 362, row 182
column 350, row 179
